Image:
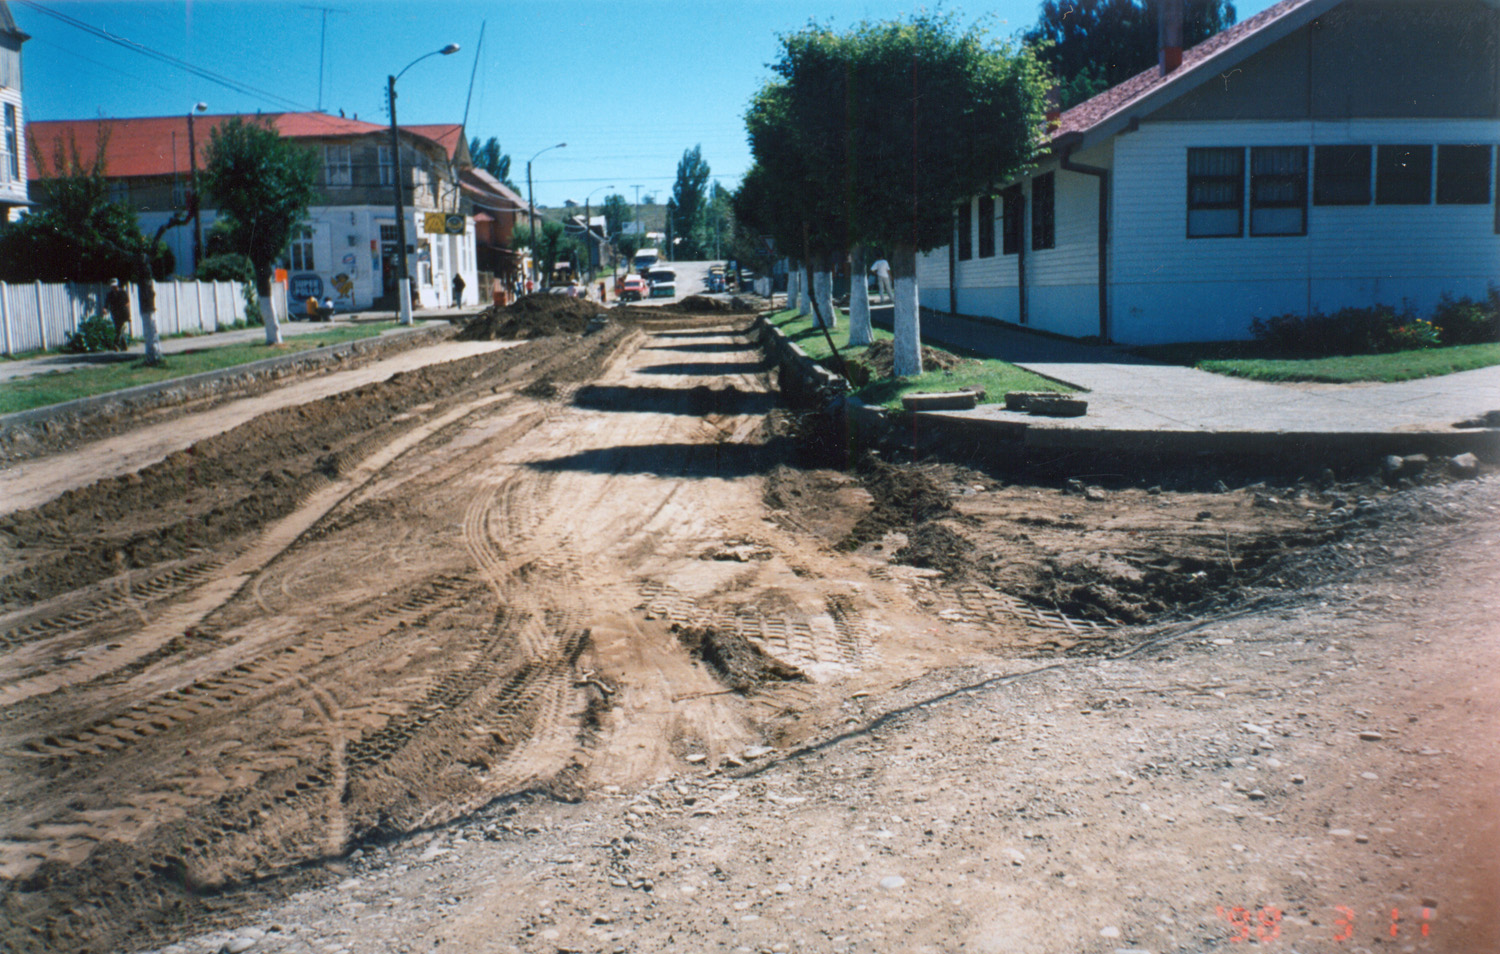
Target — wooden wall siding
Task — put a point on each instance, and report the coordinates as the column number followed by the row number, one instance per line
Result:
column 13, row 190
column 1168, row 287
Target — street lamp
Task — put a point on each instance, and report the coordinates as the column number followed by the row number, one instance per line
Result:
column 588, row 228
column 194, row 201
column 531, row 202
column 403, row 284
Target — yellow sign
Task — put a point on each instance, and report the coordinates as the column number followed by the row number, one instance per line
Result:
column 442, row 223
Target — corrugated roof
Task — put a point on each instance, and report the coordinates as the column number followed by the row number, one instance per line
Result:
column 479, row 179
column 1117, row 99
column 158, row 145
column 447, row 135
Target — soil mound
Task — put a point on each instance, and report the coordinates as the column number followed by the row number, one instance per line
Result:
column 880, row 357
column 703, row 305
column 535, row 316
column 905, row 497
column 737, row 662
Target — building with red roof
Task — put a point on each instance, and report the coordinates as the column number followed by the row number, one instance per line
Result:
column 1319, row 155
column 347, row 249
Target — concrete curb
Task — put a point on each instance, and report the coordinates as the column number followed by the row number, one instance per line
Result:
column 76, row 415
column 985, row 436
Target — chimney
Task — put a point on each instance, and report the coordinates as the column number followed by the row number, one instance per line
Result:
column 1169, row 35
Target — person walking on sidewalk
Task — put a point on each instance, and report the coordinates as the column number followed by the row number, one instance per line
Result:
column 458, row 291
column 117, row 301
column 882, row 270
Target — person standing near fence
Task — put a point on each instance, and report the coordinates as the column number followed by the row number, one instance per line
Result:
column 117, row 302
column 458, row 291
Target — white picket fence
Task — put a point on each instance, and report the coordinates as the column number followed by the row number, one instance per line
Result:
column 39, row 316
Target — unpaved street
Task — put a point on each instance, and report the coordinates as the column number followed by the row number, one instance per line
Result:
column 601, row 571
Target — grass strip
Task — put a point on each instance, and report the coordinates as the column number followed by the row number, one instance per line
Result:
column 23, row 394
column 992, row 374
column 1248, row 359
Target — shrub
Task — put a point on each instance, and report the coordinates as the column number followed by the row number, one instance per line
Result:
column 1379, row 329
column 95, row 333
column 1466, row 321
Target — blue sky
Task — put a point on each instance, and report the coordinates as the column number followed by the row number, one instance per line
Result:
column 627, row 85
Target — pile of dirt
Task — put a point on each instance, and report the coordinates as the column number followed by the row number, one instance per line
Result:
column 736, row 661
column 880, row 359
column 535, row 316
column 703, row 305
column 905, row 498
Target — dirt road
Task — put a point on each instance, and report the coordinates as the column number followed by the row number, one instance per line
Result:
column 592, row 568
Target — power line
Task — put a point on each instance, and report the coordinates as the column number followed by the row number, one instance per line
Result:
column 227, row 82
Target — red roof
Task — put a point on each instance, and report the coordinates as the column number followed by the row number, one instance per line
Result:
column 447, row 135
column 158, row 145
column 1117, row 99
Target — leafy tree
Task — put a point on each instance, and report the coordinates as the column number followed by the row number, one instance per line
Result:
column 689, row 194
column 617, row 210
column 491, row 159
column 77, row 234
column 1091, row 45
column 919, row 116
column 556, row 245
column 262, row 184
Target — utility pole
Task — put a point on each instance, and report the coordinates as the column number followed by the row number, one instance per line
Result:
column 639, row 229
column 195, row 201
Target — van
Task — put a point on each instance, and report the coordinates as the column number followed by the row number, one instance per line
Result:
column 644, row 259
column 663, row 282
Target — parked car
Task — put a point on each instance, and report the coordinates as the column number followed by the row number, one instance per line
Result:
column 663, row 282
column 634, row 288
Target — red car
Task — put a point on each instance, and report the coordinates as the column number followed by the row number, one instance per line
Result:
column 634, row 288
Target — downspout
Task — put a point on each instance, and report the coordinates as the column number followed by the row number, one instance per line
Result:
column 953, row 269
column 1102, row 175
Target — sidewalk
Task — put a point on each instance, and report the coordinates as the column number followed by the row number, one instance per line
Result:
column 1132, row 399
column 48, row 363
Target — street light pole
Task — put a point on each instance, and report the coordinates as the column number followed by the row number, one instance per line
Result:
column 193, row 184
column 403, row 283
column 531, row 203
column 588, row 228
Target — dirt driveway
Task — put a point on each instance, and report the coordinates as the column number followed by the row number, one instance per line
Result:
column 596, row 569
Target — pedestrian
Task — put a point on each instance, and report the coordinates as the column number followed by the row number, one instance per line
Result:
column 458, row 291
column 117, row 301
column 311, row 307
column 882, row 270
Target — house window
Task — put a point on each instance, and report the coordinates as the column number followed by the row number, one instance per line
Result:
column 12, row 143
column 119, row 193
column 1463, row 175
column 1341, row 175
column 966, row 231
column 336, row 166
column 1216, row 193
column 1403, row 175
column 1012, row 208
column 1043, row 225
column 987, row 227
column 302, row 251
column 388, row 233
column 387, row 168
column 1278, row 190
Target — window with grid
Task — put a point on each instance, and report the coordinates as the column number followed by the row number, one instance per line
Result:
column 338, row 169
column 965, row 231
column 1463, row 175
column 1341, row 175
column 12, row 143
column 1278, row 190
column 1043, row 211
column 1216, row 193
column 301, row 251
column 387, row 168
column 388, row 234
column 1403, row 175
column 987, row 227
column 1012, row 209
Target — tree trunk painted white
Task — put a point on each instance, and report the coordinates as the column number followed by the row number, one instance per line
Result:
column 908, row 316
column 823, row 288
column 151, row 336
column 859, row 299
column 793, row 279
column 268, row 315
column 804, row 291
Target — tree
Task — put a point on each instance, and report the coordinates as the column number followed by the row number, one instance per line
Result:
column 1091, row 45
column 262, row 184
column 491, row 159
column 914, row 118
column 617, row 210
column 77, row 234
column 689, row 194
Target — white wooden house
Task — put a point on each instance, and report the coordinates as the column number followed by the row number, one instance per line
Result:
column 1321, row 154
column 13, row 183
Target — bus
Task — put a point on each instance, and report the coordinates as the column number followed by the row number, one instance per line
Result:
column 644, row 259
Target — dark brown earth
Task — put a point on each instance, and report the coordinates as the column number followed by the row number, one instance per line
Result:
column 533, row 316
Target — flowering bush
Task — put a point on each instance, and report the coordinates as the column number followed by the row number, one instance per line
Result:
column 1381, row 329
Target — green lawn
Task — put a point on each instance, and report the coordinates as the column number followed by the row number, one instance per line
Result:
column 24, row 394
column 1248, row 359
column 996, row 377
